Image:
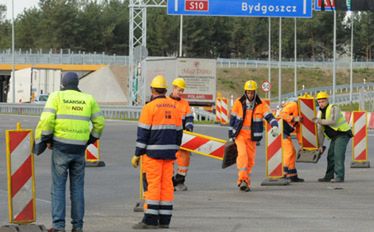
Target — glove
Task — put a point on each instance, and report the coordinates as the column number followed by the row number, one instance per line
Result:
column 189, row 128
column 296, row 119
column 274, row 131
column 316, row 120
column 135, row 161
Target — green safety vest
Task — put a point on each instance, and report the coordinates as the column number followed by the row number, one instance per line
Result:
column 67, row 116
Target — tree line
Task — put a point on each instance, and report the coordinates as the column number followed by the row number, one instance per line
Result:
column 103, row 26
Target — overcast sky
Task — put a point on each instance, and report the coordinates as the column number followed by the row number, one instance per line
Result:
column 19, row 6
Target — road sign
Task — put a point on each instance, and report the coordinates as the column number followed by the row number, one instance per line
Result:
column 266, row 86
column 329, row 5
column 249, row 8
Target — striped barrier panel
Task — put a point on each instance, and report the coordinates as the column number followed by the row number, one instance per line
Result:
column 274, row 157
column 218, row 110
column 360, row 140
column 203, row 145
column 224, row 111
column 21, row 178
column 92, row 154
column 307, row 109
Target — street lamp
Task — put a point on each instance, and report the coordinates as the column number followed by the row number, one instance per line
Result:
column 13, row 58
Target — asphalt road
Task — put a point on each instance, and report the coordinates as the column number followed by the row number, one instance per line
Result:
column 213, row 202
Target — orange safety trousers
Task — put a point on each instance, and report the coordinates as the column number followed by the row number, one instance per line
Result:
column 246, row 158
column 289, row 157
column 159, row 191
column 183, row 161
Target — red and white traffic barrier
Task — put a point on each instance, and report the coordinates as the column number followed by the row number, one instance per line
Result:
column 218, row 110
column 21, row 179
column 360, row 140
column 92, row 154
column 274, row 157
column 224, row 111
column 203, row 145
column 307, row 108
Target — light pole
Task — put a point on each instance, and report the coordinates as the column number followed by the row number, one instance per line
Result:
column 13, row 58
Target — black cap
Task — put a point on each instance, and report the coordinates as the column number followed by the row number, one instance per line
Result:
column 70, row 80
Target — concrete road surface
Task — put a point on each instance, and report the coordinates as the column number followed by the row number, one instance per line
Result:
column 213, row 202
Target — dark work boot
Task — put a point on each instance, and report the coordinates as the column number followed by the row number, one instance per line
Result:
column 296, row 179
column 324, row 179
column 243, row 186
column 143, row 226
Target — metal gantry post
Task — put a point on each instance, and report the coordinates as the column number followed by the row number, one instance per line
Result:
column 138, row 37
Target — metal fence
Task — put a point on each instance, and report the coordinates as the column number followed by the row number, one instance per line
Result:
column 68, row 57
column 110, row 112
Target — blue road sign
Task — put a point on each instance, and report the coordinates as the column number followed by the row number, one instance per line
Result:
column 249, row 8
column 329, row 5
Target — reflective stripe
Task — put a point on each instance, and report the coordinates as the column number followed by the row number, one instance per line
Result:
column 257, row 119
column 182, row 172
column 151, row 211
column 189, row 123
column 246, row 128
column 49, row 110
column 95, row 115
column 166, row 203
column 144, row 126
column 182, row 168
column 179, row 128
column 47, row 132
column 189, row 115
column 257, row 134
column 164, row 127
column 74, row 117
column 70, row 141
column 273, row 120
column 152, row 202
column 267, row 113
column 165, row 212
column 162, row 147
column 141, row 145
column 37, row 141
column 95, row 134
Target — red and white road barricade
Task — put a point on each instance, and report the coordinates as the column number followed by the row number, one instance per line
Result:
column 307, row 109
column 360, row 140
column 93, row 155
column 203, row 145
column 274, row 157
column 224, row 111
column 21, row 179
column 218, row 110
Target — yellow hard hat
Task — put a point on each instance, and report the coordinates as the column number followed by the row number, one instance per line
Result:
column 322, row 95
column 250, row 85
column 159, row 81
column 179, row 82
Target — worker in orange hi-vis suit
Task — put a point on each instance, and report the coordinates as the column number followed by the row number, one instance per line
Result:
column 291, row 119
column 159, row 136
column 183, row 157
column 246, row 128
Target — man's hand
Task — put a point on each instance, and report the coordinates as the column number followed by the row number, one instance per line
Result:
column 274, row 131
column 321, row 149
column 49, row 146
column 316, row 120
column 135, row 161
column 297, row 119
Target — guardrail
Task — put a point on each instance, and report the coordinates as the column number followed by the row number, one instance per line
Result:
column 110, row 112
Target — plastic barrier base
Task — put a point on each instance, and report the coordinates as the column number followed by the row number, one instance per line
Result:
column 139, row 207
column 95, row 164
column 23, row 228
column 365, row 164
column 305, row 156
column 275, row 182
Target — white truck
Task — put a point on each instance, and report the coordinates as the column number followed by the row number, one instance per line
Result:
column 32, row 82
column 199, row 74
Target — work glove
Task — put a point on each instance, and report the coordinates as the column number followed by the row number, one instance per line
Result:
column 135, row 161
column 274, row 131
column 297, row 119
column 189, row 128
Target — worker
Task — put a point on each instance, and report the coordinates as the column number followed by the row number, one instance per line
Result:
column 290, row 115
column 64, row 127
column 332, row 124
column 183, row 157
column 158, row 139
column 246, row 128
